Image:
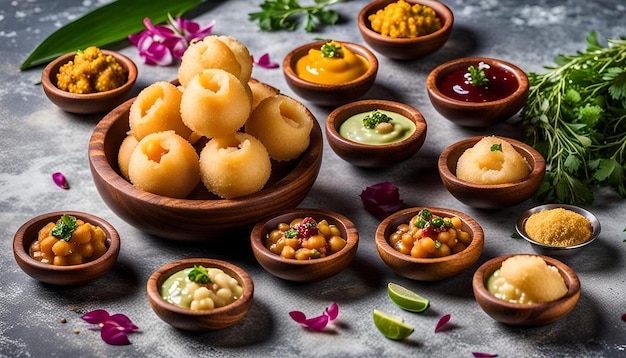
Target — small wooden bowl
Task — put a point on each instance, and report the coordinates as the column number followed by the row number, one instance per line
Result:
column 558, row 251
column 309, row 270
column 535, row 314
column 374, row 156
column 324, row 94
column 64, row 275
column 87, row 103
column 202, row 320
column 428, row 269
column 476, row 114
column 405, row 48
column 490, row 196
column 201, row 216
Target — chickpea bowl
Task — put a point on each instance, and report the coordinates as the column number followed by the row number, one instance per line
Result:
column 452, row 243
column 329, row 88
column 401, row 137
column 200, row 216
column 304, row 245
column 87, row 103
column 403, row 47
column 90, row 251
column 525, row 314
column 497, row 95
column 565, row 231
column 201, row 317
column 491, row 196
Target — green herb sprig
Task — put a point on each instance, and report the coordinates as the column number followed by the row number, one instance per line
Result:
column 372, row 119
column 284, row 14
column 577, row 111
column 64, row 227
column 477, row 76
column 329, row 50
column 199, row 274
column 496, row 147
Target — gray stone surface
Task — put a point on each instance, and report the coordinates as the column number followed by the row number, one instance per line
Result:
column 38, row 139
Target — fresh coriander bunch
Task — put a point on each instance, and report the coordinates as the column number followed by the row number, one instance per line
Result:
column 284, row 14
column 577, row 116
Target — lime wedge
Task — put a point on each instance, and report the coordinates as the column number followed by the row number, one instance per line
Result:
column 406, row 298
column 391, row 326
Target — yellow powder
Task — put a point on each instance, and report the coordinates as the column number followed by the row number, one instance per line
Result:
column 558, row 227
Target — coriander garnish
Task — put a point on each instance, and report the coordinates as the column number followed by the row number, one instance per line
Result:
column 64, row 227
column 199, row 275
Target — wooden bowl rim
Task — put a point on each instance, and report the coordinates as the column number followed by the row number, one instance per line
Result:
column 447, row 67
column 538, row 165
column 340, row 114
column 161, row 274
column 294, row 55
column 403, row 216
column 20, row 241
column 48, row 78
column 443, row 12
column 347, row 227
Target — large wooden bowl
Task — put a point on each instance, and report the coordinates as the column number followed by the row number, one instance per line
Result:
column 368, row 155
column 428, row 269
column 515, row 314
column 201, row 216
column 306, row 270
column 201, row 320
column 325, row 94
column 491, row 196
column 405, row 48
column 87, row 103
column 64, row 275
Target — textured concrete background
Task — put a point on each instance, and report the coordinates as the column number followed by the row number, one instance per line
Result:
column 37, row 139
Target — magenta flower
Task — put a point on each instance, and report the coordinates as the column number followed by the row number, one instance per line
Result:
column 265, row 62
column 113, row 328
column 161, row 44
column 382, row 199
column 60, row 181
column 442, row 322
column 483, row 355
column 316, row 323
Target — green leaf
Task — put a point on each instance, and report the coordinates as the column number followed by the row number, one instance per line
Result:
column 105, row 25
column 617, row 90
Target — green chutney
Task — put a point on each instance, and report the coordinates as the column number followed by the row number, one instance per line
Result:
column 354, row 130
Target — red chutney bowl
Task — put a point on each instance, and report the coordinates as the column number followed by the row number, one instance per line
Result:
column 456, row 106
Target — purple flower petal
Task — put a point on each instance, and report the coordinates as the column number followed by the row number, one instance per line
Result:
column 624, row 317
column 483, row 355
column 382, row 199
column 60, row 181
column 316, row 323
column 442, row 322
column 122, row 322
column 96, row 316
column 112, row 335
column 264, row 61
column 333, row 311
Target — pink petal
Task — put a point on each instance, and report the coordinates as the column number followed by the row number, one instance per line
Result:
column 96, row 316
column 483, row 355
column 112, row 335
column 122, row 322
column 158, row 54
column 264, row 61
column 333, row 311
column 158, row 30
column 60, row 181
column 442, row 322
column 316, row 323
column 382, row 199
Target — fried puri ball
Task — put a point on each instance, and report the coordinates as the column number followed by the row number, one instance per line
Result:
column 215, row 103
column 208, row 53
column 283, row 125
column 241, row 54
column 123, row 156
column 164, row 163
column 234, row 165
column 157, row 109
column 261, row 91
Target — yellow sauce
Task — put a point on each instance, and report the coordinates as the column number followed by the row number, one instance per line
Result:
column 345, row 67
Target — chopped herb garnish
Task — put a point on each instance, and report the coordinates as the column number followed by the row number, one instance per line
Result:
column 330, row 50
column 64, row 227
column 372, row 119
column 291, row 233
column 199, row 275
column 496, row 147
column 477, row 76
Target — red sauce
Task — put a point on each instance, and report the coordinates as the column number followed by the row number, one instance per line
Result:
column 502, row 83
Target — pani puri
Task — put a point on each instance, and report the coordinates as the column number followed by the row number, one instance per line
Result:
column 234, row 165
column 215, row 103
column 208, row 53
column 261, row 91
column 164, row 163
column 126, row 150
column 283, row 125
column 157, row 109
column 241, row 54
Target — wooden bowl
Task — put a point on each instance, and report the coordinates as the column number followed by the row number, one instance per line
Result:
column 201, row 216
column 64, row 275
column 368, row 155
column 558, row 251
column 325, row 94
column 309, row 270
column 535, row 314
column 490, row 196
column 87, row 103
column 476, row 114
column 428, row 269
column 405, row 48
column 201, row 320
